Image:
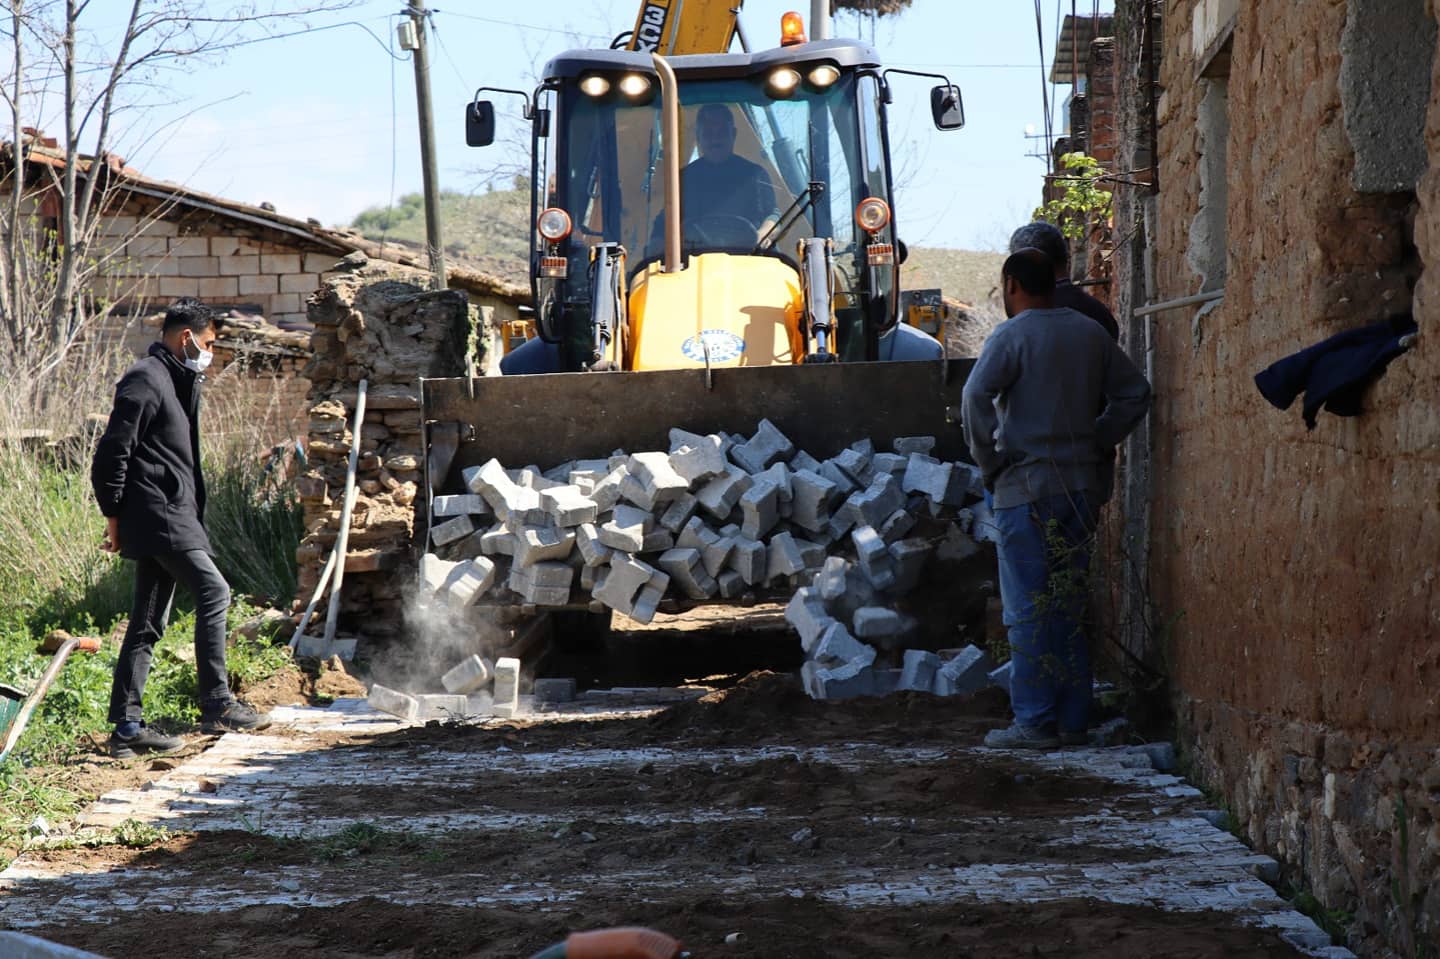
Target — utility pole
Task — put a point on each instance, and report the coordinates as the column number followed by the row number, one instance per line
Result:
column 427, row 145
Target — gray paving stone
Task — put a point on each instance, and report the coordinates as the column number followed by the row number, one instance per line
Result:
column 784, row 558
column 749, row 560
column 587, row 540
column 469, row 581
column 722, row 494
column 806, row 614
column 393, row 701
column 567, row 506
column 554, row 691
column 836, row 646
column 455, row 528
column 459, row 504
column 678, row 512
column 470, row 675
column 760, row 509
column 918, row 670
column 905, row 445
column 968, row 672
column 813, row 495
column 878, row 622
column 909, row 557
column 761, row 450
column 541, row 544
column 701, row 461
column 442, row 706
column 506, row 703
column 830, row 581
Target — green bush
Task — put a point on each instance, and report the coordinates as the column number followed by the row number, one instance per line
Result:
column 255, row 522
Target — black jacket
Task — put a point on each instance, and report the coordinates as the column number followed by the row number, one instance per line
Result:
column 1335, row 372
column 146, row 469
column 1069, row 295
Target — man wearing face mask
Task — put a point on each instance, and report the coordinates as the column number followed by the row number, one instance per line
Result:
column 146, row 477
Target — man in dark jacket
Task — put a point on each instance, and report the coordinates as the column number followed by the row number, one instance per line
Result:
column 1047, row 238
column 146, row 476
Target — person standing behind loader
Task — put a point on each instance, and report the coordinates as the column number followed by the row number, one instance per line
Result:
column 1029, row 412
column 147, row 480
column 1047, row 238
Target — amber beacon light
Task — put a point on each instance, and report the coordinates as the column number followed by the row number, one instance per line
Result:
column 792, row 29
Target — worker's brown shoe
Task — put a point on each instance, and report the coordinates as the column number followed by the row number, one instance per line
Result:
column 147, row 742
column 236, row 717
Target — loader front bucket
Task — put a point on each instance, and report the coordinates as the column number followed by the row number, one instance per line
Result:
column 546, row 420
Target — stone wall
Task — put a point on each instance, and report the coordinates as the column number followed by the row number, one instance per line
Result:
column 1299, row 566
column 378, row 322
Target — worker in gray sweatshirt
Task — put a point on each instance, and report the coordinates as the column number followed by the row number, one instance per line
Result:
column 1030, row 417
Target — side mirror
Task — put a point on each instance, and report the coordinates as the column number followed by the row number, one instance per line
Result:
column 479, row 123
column 946, row 107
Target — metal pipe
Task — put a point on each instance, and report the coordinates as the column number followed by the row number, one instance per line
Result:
column 342, row 539
column 670, row 131
column 1195, row 300
column 820, row 20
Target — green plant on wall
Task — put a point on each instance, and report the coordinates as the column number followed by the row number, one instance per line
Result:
column 1085, row 204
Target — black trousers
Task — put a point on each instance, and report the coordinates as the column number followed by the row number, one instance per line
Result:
column 155, row 579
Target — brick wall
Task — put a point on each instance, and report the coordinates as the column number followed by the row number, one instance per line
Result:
column 1298, row 567
column 151, row 254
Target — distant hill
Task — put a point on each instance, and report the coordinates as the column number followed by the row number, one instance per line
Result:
column 490, row 228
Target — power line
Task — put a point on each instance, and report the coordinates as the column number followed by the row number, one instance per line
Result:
column 526, row 26
column 179, row 55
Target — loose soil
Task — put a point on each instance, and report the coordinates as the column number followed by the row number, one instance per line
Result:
column 714, row 828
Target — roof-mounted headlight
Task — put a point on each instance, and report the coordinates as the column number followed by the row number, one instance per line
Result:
column 783, row 81
column 823, row 75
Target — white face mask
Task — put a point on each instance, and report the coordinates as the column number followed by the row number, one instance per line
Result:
column 200, row 362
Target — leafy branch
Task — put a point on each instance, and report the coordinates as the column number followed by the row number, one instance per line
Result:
column 1084, row 204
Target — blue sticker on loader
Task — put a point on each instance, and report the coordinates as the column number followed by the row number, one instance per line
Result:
column 724, row 346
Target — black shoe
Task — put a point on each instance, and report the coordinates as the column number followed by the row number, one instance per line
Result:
column 1070, row 737
column 147, row 742
column 236, row 717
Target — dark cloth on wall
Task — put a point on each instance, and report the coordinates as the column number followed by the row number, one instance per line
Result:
column 1334, row 372
column 146, row 469
column 1070, row 296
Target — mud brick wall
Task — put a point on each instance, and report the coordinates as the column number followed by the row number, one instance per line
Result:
column 379, row 323
column 1300, row 567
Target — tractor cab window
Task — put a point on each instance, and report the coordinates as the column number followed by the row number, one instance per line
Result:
column 748, row 157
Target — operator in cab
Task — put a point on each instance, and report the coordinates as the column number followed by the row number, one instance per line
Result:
column 725, row 199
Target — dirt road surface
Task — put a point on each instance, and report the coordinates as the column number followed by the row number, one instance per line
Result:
column 794, row 828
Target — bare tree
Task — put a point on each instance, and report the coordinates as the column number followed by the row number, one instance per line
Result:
column 57, row 50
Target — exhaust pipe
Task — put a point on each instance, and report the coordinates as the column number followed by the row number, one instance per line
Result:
column 820, row 26
column 670, row 130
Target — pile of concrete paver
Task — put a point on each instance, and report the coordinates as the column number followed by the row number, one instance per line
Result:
column 721, row 516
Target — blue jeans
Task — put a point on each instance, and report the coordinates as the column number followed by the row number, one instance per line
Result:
column 1044, row 555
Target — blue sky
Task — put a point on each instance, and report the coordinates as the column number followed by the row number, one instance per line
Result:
column 323, row 125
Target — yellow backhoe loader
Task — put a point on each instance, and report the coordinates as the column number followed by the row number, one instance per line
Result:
column 714, row 242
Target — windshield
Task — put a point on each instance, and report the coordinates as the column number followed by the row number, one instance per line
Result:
column 747, row 158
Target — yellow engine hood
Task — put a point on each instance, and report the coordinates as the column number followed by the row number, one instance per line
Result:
column 746, row 309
